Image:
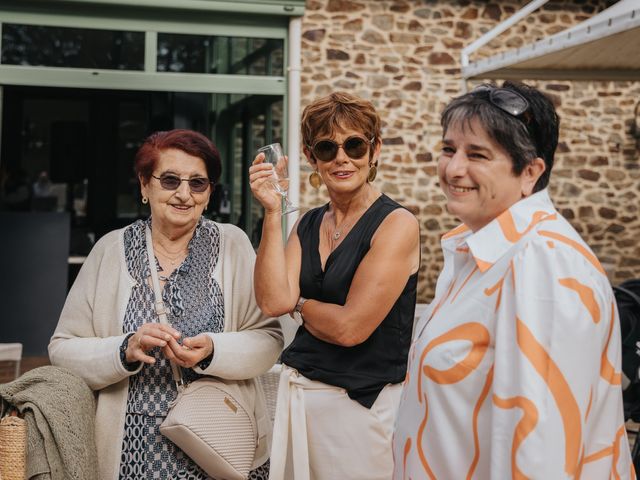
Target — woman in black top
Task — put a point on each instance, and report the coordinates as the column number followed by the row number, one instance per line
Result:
column 348, row 273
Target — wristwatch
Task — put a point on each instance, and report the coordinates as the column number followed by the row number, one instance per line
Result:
column 297, row 311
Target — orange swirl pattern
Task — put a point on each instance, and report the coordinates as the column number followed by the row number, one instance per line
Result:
column 605, row 452
column 423, row 457
column 456, row 231
column 607, row 370
column 509, row 229
column 483, row 265
column 586, row 295
column 477, row 334
column 616, row 452
column 498, row 287
column 476, row 412
column 424, row 353
column 500, row 315
column 407, row 449
column 525, row 426
column 591, row 258
column 560, row 390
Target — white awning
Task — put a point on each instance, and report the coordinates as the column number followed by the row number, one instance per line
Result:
column 604, row 47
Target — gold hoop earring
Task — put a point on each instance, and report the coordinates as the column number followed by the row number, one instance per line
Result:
column 315, row 180
column 373, row 172
column 145, row 200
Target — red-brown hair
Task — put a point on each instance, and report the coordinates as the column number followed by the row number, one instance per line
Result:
column 188, row 141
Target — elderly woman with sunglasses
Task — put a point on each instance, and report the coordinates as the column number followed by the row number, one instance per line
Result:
column 348, row 274
column 514, row 371
column 109, row 332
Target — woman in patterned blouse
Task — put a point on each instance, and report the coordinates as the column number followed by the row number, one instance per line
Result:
column 109, row 334
column 514, row 370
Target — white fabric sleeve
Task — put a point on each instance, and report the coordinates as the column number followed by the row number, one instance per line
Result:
column 75, row 344
column 553, row 325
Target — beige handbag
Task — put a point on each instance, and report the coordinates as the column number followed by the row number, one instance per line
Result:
column 211, row 426
column 208, row 420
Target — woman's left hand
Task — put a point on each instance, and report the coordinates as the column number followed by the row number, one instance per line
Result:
column 192, row 351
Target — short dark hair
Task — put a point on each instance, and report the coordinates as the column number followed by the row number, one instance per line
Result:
column 188, row 141
column 533, row 134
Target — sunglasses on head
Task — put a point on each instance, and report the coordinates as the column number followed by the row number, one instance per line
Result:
column 326, row 150
column 507, row 100
column 169, row 181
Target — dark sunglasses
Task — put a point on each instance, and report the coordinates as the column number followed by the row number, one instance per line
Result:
column 326, row 150
column 169, row 181
column 506, row 100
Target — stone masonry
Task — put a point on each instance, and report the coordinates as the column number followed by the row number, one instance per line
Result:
column 405, row 57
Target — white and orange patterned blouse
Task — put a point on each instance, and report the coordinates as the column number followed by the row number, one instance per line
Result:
column 515, row 367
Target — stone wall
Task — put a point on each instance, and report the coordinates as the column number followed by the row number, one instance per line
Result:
column 404, row 56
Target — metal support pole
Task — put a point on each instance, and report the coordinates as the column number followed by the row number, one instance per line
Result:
column 293, row 123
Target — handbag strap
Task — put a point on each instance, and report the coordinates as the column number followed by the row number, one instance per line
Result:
column 159, row 304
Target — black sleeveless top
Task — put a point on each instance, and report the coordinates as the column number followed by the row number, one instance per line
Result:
column 365, row 369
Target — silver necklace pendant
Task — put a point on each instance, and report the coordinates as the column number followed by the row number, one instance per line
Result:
column 336, row 235
column 172, row 260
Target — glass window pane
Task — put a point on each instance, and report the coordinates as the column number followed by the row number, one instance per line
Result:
column 131, row 131
column 72, row 47
column 237, row 173
column 221, row 55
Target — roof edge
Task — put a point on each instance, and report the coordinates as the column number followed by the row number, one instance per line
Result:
column 260, row 7
column 487, row 67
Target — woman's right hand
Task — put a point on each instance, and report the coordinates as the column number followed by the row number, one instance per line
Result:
column 147, row 337
column 260, row 174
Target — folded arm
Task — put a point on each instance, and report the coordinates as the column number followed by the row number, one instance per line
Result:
column 378, row 282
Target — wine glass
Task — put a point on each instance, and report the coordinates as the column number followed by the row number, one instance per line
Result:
column 274, row 155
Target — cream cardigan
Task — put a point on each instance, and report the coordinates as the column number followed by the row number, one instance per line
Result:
column 89, row 334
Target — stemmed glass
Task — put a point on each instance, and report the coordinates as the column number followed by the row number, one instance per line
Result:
column 274, row 155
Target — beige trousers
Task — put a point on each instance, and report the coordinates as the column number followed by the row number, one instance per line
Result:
column 321, row 434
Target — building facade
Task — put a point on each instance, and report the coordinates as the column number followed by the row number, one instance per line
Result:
column 405, row 57
column 82, row 82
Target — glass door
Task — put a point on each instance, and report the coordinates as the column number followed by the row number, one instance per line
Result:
column 115, row 84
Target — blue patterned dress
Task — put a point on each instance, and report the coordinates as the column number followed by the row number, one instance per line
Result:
column 195, row 305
